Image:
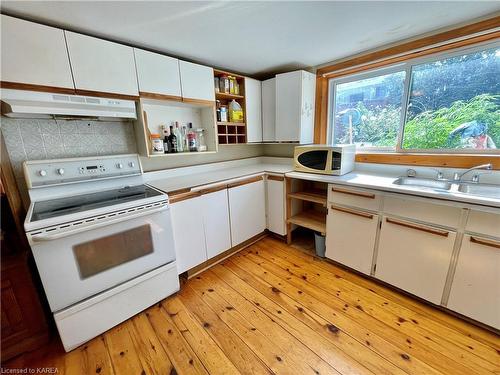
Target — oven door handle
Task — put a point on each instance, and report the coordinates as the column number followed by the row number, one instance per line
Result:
column 44, row 237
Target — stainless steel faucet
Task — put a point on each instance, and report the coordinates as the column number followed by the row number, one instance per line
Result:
column 458, row 176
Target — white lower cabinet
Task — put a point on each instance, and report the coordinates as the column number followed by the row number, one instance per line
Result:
column 247, row 210
column 350, row 237
column 215, row 211
column 475, row 290
column 414, row 257
column 189, row 235
column 275, row 188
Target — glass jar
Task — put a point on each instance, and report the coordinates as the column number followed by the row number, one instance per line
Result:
column 157, row 144
column 200, row 140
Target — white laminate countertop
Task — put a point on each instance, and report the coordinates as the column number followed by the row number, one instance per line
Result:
column 385, row 183
column 216, row 173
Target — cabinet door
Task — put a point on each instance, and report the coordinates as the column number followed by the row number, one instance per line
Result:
column 475, row 290
column 247, row 211
column 414, row 257
column 215, row 209
column 307, row 107
column 350, row 237
column 253, row 107
column 197, row 81
column 157, row 74
column 102, row 66
column 189, row 235
column 34, row 54
column 288, row 106
column 276, row 205
column 269, row 110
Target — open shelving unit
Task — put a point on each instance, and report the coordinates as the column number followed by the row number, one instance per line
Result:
column 306, row 203
column 231, row 132
column 153, row 113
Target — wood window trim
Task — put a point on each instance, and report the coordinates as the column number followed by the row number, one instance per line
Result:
column 402, row 52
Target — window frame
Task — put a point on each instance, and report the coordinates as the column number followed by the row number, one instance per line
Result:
column 405, row 66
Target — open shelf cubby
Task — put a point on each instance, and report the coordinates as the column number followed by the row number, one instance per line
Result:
column 306, row 205
column 231, row 132
column 153, row 114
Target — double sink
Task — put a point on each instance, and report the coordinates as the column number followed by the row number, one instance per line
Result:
column 471, row 188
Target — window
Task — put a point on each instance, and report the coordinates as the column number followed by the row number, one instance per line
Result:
column 449, row 102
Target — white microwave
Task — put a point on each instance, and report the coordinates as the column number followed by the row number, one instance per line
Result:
column 332, row 160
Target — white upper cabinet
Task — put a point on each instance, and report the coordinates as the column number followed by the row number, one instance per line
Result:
column 99, row 65
column 157, row 74
column 34, row 54
column 295, row 93
column 253, row 107
column 269, row 110
column 197, row 81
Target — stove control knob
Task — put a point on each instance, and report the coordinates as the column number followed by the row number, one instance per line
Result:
column 42, row 173
column 119, row 165
column 60, row 171
column 131, row 164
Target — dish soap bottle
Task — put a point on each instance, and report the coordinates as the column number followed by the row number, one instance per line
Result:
column 235, row 112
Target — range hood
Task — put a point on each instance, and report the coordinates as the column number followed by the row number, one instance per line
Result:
column 31, row 104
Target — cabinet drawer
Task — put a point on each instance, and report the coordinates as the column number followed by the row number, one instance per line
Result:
column 484, row 222
column 362, row 198
column 422, row 210
column 474, row 291
column 414, row 257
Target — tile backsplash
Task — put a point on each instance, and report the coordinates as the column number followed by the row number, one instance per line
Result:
column 35, row 139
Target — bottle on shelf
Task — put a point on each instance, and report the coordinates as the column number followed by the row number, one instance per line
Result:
column 167, row 146
column 200, row 140
column 172, row 139
column 218, row 110
column 185, row 144
column 224, row 84
column 191, row 136
column 178, row 136
column 223, row 113
column 235, row 112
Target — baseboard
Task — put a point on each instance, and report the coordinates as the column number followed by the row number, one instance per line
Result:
column 226, row 254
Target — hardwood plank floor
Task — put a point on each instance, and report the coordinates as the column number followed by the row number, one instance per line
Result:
column 274, row 308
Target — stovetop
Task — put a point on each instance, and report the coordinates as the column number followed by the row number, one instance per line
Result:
column 53, row 208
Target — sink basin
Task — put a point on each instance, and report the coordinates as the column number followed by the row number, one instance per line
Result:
column 423, row 183
column 484, row 190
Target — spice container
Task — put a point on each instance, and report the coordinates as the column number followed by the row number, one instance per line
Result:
column 223, row 113
column 217, row 84
column 232, row 80
column 224, row 84
column 157, row 144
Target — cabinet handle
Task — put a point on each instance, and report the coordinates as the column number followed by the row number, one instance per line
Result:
column 275, row 178
column 183, row 196
column 352, row 212
column 356, row 193
column 485, row 242
column 418, row 227
column 245, row 182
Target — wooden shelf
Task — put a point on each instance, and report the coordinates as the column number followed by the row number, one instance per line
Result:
column 231, row 123
column 222, row 95
column 311, row 219
column 315, row 196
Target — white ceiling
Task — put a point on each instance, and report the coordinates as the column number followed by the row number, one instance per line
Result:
column 254, row 37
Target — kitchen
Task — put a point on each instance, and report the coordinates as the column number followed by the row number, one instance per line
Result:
column 174, row 201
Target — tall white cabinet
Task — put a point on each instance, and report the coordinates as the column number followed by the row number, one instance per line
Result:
column 269, row 110
column 253, row 107
column 102, row 66
column 295, row 93
column 34, row 54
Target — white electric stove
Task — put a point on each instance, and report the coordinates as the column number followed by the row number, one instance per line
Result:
column 102, row 242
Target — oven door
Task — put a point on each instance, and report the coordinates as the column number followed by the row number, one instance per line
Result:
column 79, row 264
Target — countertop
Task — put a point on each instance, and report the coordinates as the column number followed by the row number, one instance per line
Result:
column 385, row 183
column 215, row 175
